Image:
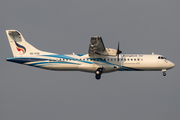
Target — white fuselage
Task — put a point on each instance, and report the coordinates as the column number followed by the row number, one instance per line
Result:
column 82, row 62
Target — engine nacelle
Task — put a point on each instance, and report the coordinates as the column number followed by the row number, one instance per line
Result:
column 111, row 51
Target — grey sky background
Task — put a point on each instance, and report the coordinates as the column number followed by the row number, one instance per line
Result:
column 65, row 26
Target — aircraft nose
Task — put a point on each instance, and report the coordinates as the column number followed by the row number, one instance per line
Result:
column 172, row 64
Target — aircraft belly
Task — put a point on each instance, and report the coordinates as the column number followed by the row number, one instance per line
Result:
column 54, row 66
column 63, row 67
column 87, row 67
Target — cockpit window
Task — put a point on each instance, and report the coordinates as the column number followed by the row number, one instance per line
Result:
column 160, row 57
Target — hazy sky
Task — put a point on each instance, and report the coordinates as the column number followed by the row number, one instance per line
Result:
column 66, row 26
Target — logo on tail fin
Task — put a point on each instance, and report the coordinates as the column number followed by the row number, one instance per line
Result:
column 20, row 48
column 16, row 36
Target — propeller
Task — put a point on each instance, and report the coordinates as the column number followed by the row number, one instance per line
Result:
column 118, row 51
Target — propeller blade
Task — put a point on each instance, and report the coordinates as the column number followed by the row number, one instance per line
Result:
column 118, row 46
column 118, row 56
column 118, row 51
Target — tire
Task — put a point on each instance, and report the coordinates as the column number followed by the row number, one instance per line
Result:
column 98, row 77
column 97, row 72
column 164, row 74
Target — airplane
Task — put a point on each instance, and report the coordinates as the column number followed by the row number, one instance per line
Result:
column 99, row 59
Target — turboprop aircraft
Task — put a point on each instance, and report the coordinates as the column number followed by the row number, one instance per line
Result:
column 99, row 59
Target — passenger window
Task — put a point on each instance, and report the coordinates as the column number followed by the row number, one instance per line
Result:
column 128, row 59
column 124, row 59
column 138, row 59
column 121, row 59
column 131, row 59
column 134, row 59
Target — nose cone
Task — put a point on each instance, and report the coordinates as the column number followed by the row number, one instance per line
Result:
column 172, row 65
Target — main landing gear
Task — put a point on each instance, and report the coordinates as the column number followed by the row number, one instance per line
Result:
column 164, row 72
column 98, row 73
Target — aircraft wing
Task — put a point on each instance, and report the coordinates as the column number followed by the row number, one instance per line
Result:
column 96, row 46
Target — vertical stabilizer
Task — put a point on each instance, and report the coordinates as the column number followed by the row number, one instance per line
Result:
column 19, row 46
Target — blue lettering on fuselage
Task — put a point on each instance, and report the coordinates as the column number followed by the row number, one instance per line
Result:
column 132, row 55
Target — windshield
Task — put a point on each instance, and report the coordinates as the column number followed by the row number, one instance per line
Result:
column 161, row 57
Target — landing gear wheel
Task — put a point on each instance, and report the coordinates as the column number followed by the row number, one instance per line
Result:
column 98, row 73
column 164, row 74
column 98, row 77
column 100, row 70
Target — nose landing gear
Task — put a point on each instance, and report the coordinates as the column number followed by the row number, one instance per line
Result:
column 98, row 73
column 164, row 72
